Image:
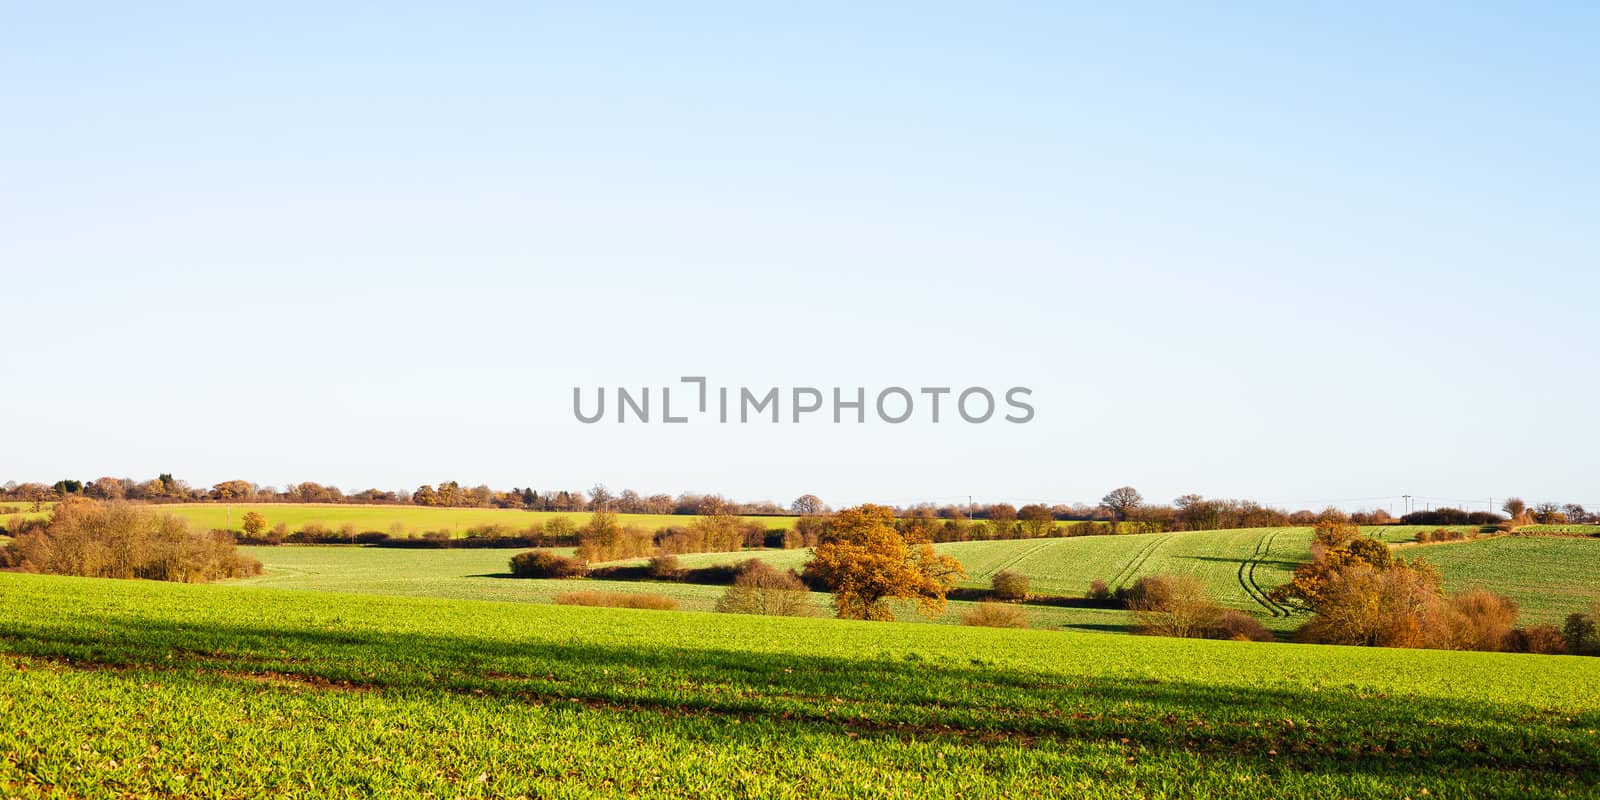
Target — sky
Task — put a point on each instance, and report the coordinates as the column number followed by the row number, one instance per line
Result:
column 1305, row 254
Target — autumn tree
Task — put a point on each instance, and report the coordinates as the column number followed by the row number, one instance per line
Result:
column 1123, row 502
column 867, row 562
column 1549, row 514
column 231, row 490
column 1037, row 520
column 254, row 523
column 1003, row 519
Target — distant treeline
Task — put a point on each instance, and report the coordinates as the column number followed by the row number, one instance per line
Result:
column 1124, row 508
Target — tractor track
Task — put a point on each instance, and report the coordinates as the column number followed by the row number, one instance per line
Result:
column 1247, row 576
column 1132, row 568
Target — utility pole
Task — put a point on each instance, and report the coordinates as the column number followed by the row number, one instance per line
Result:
column 1408, row 502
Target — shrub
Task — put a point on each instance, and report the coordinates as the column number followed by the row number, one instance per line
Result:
column 760, row 588
column 546, row 564
column 1240, row 627
column 1173, row 605
column 491, row 531
column 665, row 567
column 605, row 539
column 1542, row 639
column 1360, row 604
column 117, row 540
column 1481, row 620
column 1334, row 531
column 650, row 602
column 1098, row 590
column 1579, row 632
column 995, row 615
column 1010, row 586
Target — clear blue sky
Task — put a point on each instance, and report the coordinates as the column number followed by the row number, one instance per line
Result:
column 1297, row 253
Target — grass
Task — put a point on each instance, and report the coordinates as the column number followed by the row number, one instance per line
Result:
column 414, row 519
column 303, row 694
column 483, row 575
column 1571, row 530
column 1549, row 577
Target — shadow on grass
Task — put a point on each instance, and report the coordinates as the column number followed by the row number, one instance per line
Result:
column 1407, row 740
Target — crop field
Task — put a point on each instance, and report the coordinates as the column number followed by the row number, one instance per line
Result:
column 285, row 693
column 1570, row 530
column 1405, row 534
column 483, row 575
column 1238, row 566
column 413, row 519
column 1549, row 576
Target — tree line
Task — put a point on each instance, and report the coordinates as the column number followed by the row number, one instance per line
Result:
column 1124, row 508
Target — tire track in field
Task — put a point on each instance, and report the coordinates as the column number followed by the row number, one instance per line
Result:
column 1026, row 553
column 1132, row 567
column 1247, row 575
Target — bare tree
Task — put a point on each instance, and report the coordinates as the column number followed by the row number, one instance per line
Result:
column 806, row 505
column 1123, row 502
column 1514, row 506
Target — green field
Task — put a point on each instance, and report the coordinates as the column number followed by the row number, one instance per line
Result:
column 110, row 689
column 1549, row 576
column 1571, row 530
column 1238, row 566
column 482, row 575
column 413, row 519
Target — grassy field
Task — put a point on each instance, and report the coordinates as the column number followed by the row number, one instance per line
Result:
column 1549, row 576
column 482, row 575
column 1571, row 530
column 1238, row 566
column 412, row 519
column 303, row 694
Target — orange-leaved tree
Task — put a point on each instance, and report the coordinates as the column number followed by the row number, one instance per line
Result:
column 867, row 561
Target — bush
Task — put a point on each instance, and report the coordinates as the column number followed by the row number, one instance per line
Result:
column 1174, row 605
column 9, row 557
column 1240, row 627
column 1010, row 586
column 546, row 564
column 605, row 539
column 116, row 540
column 1334, row 531
column 1098, row 590
column 666, row 567
column 1579, row 633
column 1481, row 620
column 995, row 615
column 650, row 602
column 1542, row 639
column 760, row 588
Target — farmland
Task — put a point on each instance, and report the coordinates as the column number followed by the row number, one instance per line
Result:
column 304, row 693
column 482, row 575
column 409, row 519
column 1549, row 576
column 1237, row 566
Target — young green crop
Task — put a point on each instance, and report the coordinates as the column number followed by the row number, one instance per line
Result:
column 129, row 689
